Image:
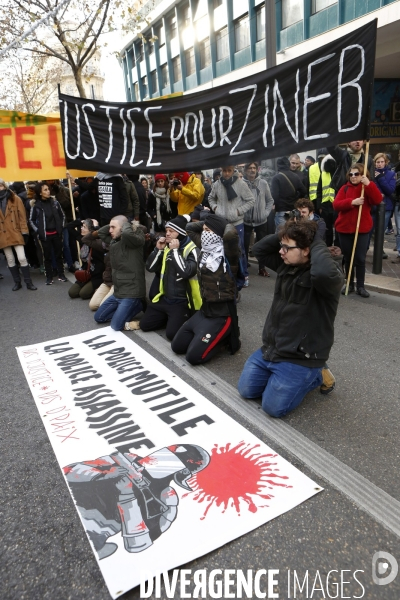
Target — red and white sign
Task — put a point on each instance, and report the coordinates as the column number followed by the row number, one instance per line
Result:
column 159, row 475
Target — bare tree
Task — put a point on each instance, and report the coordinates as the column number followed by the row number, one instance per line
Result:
column 30, row 84
column 71, row 35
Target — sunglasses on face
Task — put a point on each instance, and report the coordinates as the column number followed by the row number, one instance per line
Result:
column 355, row 174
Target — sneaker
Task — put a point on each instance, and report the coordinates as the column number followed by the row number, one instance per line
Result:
column 62, row 278
column 351, row 289
column 389, row 231
column 132, row 326
column 263, row 272
column 246, row 282
column 396, row 260
column 362, row 292
column 328, row 381
column 76, row 265
column 42, row 269
column 72, row 269
column 49, row 281
column 384, row 255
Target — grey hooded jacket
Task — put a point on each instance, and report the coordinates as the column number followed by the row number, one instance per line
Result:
column 263, row 202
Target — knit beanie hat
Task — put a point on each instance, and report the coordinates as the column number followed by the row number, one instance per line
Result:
column 159, row 176
column 179, row 225
column 216, row 223
column 184, row 177
column 311, row 158
column 216, row 173
column 322, row 152
column 195, row 215
column 2, row 182
column 283, row 163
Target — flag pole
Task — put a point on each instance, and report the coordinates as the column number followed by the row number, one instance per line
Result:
column 71, row 197
column 366, row 156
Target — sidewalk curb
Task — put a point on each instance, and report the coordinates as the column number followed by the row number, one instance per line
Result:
column 380, row 289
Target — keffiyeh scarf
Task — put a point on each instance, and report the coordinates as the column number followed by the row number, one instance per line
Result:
column 212, row 250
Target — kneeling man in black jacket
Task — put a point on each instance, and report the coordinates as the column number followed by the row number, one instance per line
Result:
column 298, row 333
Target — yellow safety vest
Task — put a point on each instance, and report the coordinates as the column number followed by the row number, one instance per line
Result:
column 328, row 193
column 193, row 281
column 314, row 173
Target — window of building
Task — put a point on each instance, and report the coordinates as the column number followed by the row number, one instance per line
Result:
column 145, row 87
column 222, row 42
column 205, row 53
column 92, row 93
column 242, row 33
column 292, row 12
column 318, row 5
column 217, row 3
column 201, row 10
column 176, row 65
column 160, row 33
column 154, row 82
column 190, row 62
column 140, row 52
column 185, row 12
column 172, row 27
column 136, row 91
column 164, row 76
column 151, row 47
column 260, row 23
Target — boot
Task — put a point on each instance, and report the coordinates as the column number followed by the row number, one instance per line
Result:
column 17, row 278
column 27, row 278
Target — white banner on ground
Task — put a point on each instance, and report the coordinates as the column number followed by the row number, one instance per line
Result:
column 159, row 475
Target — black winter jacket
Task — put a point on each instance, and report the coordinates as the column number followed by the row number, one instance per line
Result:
column 37, row 218
column 299, row 326
column 178, row 270
column 284, row 193
column 343, row 161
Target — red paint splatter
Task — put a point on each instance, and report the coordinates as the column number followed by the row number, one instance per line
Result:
column 141, row 526
column 148, row 460
column 235, row 475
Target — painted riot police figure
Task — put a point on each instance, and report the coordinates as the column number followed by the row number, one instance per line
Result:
column 132, row 494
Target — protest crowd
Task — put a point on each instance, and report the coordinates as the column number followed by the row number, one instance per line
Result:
column 195, row 235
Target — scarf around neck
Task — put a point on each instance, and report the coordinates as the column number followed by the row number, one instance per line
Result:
column 212, row 250
column 162, row 195
column 227, row 183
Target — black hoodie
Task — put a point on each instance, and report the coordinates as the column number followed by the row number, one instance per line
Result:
column 286, row 187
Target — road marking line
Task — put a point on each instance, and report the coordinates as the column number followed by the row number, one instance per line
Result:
column 376, row 502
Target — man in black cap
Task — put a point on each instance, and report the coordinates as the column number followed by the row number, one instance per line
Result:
column 174, row 262
column 216, row 323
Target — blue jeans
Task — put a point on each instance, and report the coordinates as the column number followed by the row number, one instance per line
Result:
column 397, row 222
column 118, row 310
column 281, row 385
column 279, row 219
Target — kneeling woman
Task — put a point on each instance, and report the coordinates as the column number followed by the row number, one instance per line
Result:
column 216, row 322
column 92, row 257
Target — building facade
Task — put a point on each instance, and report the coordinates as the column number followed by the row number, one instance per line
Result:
column 197, row 44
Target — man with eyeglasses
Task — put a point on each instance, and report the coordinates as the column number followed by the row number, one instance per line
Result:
column 299, row 330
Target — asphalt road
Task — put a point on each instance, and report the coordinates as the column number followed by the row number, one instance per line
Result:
column 44, row 553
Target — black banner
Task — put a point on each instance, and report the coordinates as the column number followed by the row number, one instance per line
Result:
column 319, row 99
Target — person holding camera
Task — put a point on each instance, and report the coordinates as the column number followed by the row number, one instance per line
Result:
column 292, row 359
column 187, row 191
column 304, row 209
column 174, row 262
column 14, row 234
